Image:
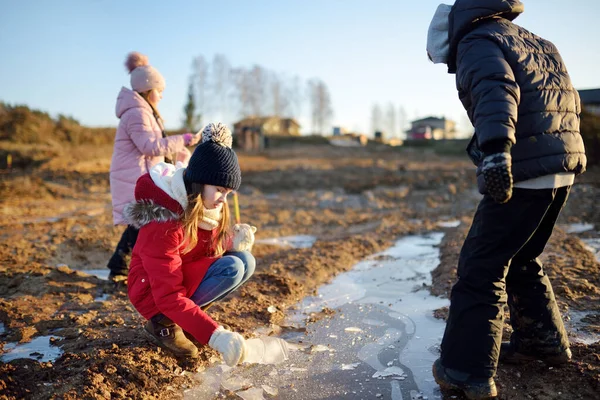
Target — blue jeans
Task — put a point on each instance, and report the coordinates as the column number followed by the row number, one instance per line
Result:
column 224, row 276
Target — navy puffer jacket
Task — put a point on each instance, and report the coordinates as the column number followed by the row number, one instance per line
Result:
column 515, row 88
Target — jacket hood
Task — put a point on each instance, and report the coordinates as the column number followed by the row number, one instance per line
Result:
column 128, row 99
column 468, row 14
column 160, row 196
column 437, row 35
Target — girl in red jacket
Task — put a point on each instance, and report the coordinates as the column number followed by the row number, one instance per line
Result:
column 181, row 263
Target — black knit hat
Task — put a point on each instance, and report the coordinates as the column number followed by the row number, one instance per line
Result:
column 214, row 162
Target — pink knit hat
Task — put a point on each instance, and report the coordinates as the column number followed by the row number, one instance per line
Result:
column 144, row 77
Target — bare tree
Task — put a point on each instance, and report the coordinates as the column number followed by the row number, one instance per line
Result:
column 200, row 79
column 390, row 120
column 221, row 85
column 376, row 118
column 402, row 122
column 258, row 78
column 320, row 102
column 275, row 88
column 241, row 82
column 294, row 89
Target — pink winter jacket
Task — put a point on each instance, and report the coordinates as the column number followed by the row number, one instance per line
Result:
column 139, row 145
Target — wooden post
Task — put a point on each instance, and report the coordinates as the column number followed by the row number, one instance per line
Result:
column 236, row 208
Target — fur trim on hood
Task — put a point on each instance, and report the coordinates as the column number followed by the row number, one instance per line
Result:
column 145, row 211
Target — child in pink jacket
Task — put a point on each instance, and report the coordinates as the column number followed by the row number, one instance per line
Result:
column 140, row 143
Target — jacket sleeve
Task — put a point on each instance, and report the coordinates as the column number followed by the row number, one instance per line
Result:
column 488, row 90
column 159, row 251
column 139, row 127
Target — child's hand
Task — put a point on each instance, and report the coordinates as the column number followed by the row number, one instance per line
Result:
column 496, row 170
column 243, row 237
column 191, row 139
column 231, row 345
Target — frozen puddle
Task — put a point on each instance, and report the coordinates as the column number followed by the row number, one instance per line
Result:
column 579, row 228
column 38, row 349
column 296, row 242
column 99, row 273
column 102, row 298
column 380, row 342
column 576, row 327
column 593, row 245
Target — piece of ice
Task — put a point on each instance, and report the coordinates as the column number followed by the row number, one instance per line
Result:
column 390, row 371
column 449, row 224
column 251, row 394
column 320, row 348
column 374, row 322
column 271, row 391
column 234, row 384
column 266, row 350
column 348, row 367
column 272, row 309
column 352, row 329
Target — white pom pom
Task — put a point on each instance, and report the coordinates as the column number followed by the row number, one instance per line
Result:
column 134, row 60
column 218, row 133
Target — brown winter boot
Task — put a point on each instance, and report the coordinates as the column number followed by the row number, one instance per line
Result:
column 165, row 333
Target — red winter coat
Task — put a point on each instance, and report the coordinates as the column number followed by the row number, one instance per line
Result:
column 161, row 278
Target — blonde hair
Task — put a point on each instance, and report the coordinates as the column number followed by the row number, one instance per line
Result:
column 146, row 96
column 192, row 216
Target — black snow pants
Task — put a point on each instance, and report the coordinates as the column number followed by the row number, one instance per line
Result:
column 498, row 264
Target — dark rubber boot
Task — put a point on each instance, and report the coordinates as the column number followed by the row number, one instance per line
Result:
column 473, row 388
column 510, row 355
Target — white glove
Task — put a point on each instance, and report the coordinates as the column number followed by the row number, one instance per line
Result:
column 231, row 345
column 243, row 237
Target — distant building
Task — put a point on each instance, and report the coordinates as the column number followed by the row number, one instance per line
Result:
column 590, row 99
column 339, row 131
column 379, row 136
column 252, row 133
column 431, row 128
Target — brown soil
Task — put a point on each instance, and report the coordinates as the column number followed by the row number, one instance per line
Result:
column 56, row 220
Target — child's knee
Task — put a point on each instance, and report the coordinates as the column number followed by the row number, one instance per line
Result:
column 235, row 269
column 250, row 263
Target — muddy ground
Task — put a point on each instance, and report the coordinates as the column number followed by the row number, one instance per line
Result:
column 56, row 220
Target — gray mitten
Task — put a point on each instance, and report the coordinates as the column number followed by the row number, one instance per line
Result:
column 496, row 170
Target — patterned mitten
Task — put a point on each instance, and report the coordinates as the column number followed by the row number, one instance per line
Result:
column 496, row 169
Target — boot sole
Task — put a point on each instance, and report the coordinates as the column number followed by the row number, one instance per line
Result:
column 520, row 358
column 160, row 344
column 446, row 385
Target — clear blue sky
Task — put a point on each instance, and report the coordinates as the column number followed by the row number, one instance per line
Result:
column 66, row 56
